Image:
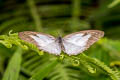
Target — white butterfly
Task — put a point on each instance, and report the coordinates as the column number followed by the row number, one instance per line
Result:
column 71, row 44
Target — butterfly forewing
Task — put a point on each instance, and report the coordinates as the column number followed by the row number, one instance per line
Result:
column 77, row 42
column 71, row 44
column 44, row 42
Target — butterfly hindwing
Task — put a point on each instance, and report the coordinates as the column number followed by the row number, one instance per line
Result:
column 43, row 41
column 71, row 44
column 77, row 42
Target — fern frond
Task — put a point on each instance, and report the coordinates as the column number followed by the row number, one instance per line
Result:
column 63, row 72
column 13, row 39
column 113, row 74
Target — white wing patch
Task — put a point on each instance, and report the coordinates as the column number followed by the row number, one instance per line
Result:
column 47, row 44
column 75, row 44
column 78, row 39
column 53, row 48
column 42, row 40
column 71, row 44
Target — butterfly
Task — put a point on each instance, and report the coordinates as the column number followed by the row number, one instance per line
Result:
column 71, row 44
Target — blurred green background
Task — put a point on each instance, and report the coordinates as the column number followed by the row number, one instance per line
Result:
column 64, row 17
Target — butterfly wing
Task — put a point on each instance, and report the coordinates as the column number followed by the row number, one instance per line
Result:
column 43, row 41
column 77, row 42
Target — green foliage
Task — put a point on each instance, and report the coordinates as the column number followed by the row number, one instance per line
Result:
column 100, row 62
column 44, row 71
column 13, row 68
column 115, row 2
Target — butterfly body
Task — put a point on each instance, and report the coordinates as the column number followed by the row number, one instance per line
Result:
column 71, row 44
column 59, row 40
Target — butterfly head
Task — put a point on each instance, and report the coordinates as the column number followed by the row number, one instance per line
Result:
column 59, row 39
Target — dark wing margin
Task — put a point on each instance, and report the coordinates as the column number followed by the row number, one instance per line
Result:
column 96, row 35
column 70, row 39
column 43, row 41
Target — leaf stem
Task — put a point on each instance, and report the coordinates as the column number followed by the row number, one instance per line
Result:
column 111, row 73
column 35, row 15
column 75, row 13
column 114, row 3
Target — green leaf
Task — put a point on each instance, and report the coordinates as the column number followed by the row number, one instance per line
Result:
column 63, row 72
column 114, row 3
column 13, row 68
column 44, row 71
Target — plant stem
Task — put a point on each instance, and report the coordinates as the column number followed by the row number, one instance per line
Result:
column 75, row 14
column 114, row 3
column 76, row 8
column 111, row 73
column 82, row 57
column 35, row 15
